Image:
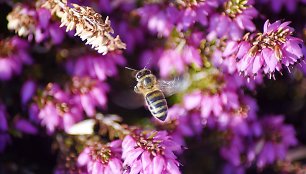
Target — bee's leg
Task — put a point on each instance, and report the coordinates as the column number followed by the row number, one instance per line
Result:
column 136, row 89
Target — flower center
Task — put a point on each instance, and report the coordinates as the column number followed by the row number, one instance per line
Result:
column 149, row 143
column 235, row 7
column 271, row 40
column 82, row 85
column 100, row 152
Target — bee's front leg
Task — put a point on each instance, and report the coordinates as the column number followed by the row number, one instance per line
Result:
column 136, row 89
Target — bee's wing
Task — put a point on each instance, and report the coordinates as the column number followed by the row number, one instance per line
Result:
column 176, row 85
column 128, row 99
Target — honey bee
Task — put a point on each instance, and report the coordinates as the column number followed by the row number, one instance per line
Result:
column 154, row 92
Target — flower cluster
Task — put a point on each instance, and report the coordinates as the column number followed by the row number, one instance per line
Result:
column 150, row 152
column 96, row 66
column 13, row 54
column 102, row 158
column 34, row 23
column 162, row 19
column 266, row 52
column 265, row 142
column 88, row 25
column 237, row 16
column 54, row 109
column 218, row 120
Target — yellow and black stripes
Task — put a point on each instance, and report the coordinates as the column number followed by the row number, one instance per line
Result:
column 157, row 104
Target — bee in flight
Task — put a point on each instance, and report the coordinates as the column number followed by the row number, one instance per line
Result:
column 154, row 92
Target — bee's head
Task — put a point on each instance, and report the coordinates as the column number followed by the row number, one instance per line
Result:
column 142, row 73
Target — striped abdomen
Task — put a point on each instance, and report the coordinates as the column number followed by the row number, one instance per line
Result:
column 157, row 104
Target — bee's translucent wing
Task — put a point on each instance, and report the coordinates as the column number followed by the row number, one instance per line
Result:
column 176, row 85
column 85, row 127
column 128, row 99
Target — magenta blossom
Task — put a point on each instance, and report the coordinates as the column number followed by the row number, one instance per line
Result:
column 89, row 93
column 25, row 126
column 266, row 52
column 150, row 152
column 175, row 60
column 237, row 17
column 162, row 19
column 96, row 66
column 27, row 91
column 34, row 23
column 13, row 53
column 54, row 109
column 102, row 158
column 183, row 123
column 278, row 137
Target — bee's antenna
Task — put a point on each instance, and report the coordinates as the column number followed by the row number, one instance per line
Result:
column 148, row 63
column 130, row 69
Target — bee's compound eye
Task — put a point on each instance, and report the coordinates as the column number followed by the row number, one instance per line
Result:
column 139, row 75
column 147, row 82
column 146, row 72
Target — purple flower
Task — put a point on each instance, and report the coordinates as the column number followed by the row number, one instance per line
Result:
column 102, row 158
column 34, row 23
column 4, row 137
column 89, row 93
column 237, row 17
column 183, row 123
column 27, row 91
column 266, row 52
column 231, row 169
column 25, row 126
column 278, row 137
column 135, row 36
column 162, row 18
column 108, row 6
column 96, row 66
column 54, row 109
column 175, row 60
column 150, row 152
column 13, row 53
column 3, row 122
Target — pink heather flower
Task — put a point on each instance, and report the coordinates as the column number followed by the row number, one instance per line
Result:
column 34, row 23
column 183, row 123
column 278, row 137
column 159, row 19
column 175, row 60
column 25, row 126
column 237, row 17
column 89, row 93
column 266, row 52
column 135, row 36
column 219, row 106
column 13, row 53
column 54, row 109
column 163, row 18
column 150, row 152
column 27, row 91
column 96, row 66
column 108, row 6
column 102, row 158
column 195, row 12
